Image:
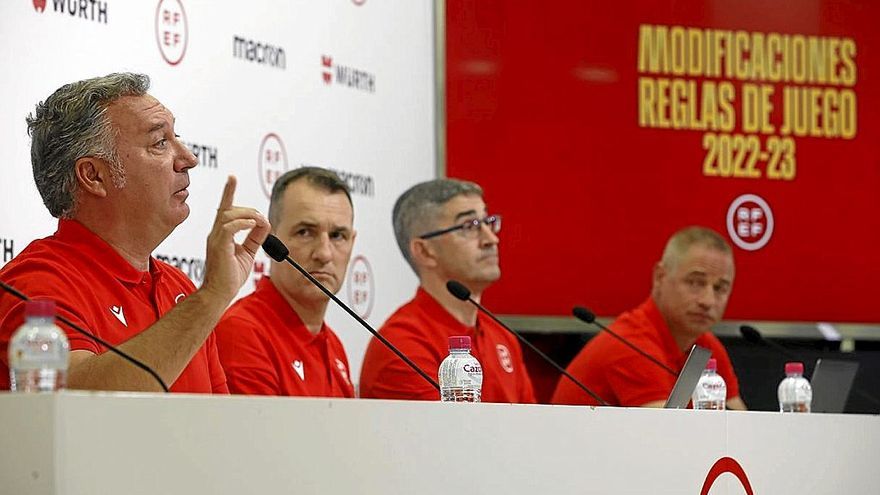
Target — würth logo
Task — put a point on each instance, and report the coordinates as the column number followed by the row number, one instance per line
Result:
column 171, row 30
column 206, row 154
column 90, row 10
column 259, row 52
column 7, row 249
column 346, row 75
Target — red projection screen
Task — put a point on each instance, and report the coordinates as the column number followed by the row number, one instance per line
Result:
column 599, row 128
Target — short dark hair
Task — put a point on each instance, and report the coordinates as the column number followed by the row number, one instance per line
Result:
column 316, row 176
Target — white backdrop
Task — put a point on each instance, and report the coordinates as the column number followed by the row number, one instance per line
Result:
column 346, row 84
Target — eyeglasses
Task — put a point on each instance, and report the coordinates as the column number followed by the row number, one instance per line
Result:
column 469, row 228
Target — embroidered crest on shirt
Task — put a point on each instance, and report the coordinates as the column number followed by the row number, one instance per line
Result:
column 119, row 314
column 504, row 358
column 298, row 367
column 342, row 370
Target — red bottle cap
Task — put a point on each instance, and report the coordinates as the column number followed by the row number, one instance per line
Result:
column 794, row 367
column 712, row 364
column 459, row 342
column 39, row 308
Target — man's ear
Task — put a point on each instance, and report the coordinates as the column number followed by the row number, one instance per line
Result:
column 659, row 274
column 93, row 176
column 422, row 253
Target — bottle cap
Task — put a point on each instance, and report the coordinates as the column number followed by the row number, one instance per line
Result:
column 39, row 308
column 712, row 364
column 794, row 368
column 460, row 342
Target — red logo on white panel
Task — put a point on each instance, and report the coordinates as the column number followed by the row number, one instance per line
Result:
column 171, row 30
column 39, row 5
column 504, row 357
column 726, row 465
column 361, row 286
column 327, row 65
column 272, row 162
column 750, row 222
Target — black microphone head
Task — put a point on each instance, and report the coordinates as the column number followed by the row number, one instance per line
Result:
column 275, row 248
column 458, row 290
column 751, row 333
column 583, row 314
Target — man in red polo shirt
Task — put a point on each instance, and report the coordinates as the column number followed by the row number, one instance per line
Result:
column 691, row 285
column 445, row 233
column 108, row 165
column 275, row 341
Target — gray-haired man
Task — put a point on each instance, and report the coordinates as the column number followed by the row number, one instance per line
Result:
column 445, row 233
column 109, row 166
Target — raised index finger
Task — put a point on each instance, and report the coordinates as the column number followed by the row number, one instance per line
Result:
column 228, row 193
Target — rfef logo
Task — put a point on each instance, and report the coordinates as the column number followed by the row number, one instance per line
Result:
column 272, row 162
column 361, row 288
column 171, row 30
column 726, row 465
column 750, row 222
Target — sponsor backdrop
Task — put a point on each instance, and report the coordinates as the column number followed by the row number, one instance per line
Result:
column 257, row 88
column 623, row 122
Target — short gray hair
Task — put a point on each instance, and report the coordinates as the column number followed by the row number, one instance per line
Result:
column 72, row 123
column 319, row 177
column 417, row 209
column 681, row 241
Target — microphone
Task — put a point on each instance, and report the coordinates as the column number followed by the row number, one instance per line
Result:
column 464, row 294
column 588, row 316
column 279, row 252
column 751, row 334
column 15, row 292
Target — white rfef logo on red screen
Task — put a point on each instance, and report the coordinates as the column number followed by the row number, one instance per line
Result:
column 272, row 162
column 750, row 222
column 171, row 30
column 361, row 289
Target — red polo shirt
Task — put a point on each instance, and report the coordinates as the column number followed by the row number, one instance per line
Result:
column 623, row 377
column 99, row 290
column 421, row 329
column 267, row 350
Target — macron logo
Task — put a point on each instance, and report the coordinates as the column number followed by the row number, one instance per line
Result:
column 298, row 367
column 117, row 312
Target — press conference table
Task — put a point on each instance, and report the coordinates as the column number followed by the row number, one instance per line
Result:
column 104, row 443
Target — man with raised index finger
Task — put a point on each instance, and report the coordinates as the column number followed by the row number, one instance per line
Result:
column 110, row 167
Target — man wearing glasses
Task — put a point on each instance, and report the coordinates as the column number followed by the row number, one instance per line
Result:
column 445, row 233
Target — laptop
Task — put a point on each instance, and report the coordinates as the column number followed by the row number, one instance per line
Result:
column 688, row 378
column 832, row 381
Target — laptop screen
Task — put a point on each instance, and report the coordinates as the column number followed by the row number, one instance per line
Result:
column 688, row 378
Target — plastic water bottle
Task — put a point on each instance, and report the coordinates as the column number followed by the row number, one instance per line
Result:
column 461, row 376
column 711, row 391
column 795, row 393
column 38, row 351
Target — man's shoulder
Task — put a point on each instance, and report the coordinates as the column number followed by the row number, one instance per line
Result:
column 46, row 263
